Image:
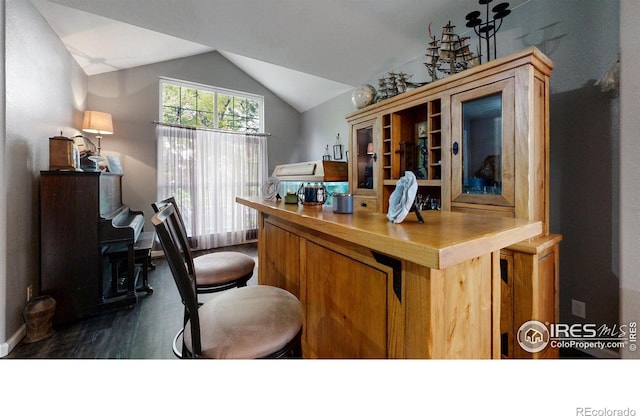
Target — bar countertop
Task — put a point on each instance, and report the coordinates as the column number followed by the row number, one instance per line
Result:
column 443, row 240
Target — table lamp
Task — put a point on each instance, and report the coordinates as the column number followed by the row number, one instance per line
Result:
column 98, row 123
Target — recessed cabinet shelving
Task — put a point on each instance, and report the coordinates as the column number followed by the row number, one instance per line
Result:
column 434, row 144
column 386, row 147
column 479, row 141
column 411, row 139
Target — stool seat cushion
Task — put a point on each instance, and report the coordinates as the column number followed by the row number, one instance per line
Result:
column 222, row 267
column 248, row 322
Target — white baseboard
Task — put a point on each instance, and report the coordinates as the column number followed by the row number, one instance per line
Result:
column 12, row 342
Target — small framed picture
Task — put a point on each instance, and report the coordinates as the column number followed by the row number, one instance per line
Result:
column 423, row 129
column 114, row 164
column 337, row 152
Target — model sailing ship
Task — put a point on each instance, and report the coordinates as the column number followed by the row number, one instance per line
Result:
column 395, row 83
column 448, row 55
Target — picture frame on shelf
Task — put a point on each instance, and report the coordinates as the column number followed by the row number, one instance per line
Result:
column 422, row 129
column 113, row 162
column 337, row 152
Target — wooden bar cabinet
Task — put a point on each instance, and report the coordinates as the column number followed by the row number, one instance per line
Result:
column 483, row 140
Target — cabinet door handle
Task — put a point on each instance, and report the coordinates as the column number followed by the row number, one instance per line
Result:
column 456, row 148
column 375, row 157
column 363, row 204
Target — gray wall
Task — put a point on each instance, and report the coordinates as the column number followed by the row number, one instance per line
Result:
column 322, row 124
column 582, row 39
column 629, row 166
column 132, row 97
column 3, row 201
column 45, row 94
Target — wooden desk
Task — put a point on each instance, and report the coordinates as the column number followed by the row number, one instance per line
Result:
column 374, row 289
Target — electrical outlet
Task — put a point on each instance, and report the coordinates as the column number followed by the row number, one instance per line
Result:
column 29, row 292
column 578, row 309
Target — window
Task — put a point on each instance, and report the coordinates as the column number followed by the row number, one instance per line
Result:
column 205, row 168
column 198, row 105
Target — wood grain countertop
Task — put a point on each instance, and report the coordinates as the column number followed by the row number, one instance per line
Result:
column 443, row 240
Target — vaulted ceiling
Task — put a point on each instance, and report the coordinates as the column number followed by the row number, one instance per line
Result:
column 305, row 51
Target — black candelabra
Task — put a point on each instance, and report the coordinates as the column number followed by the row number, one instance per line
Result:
column 487, row 30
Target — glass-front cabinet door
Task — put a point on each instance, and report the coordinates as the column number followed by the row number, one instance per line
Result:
column 482, row 145
column 363, row 158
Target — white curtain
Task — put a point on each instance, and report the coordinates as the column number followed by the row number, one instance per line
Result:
column 205, row 171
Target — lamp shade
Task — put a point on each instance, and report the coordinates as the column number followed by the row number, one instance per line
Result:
column 370, row 148
column 97, row 122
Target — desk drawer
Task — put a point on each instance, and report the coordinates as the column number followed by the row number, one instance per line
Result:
column 361, row 203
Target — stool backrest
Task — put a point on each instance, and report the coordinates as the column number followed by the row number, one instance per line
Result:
column 183, row 238
column 170, row 200
column 168, row 229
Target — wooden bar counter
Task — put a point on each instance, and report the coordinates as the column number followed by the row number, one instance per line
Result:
column 374, row 289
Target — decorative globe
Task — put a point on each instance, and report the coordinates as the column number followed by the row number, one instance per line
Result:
column 363, row 95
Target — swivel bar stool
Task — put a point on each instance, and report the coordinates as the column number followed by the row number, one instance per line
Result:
column 249, row 322
column 215, row 271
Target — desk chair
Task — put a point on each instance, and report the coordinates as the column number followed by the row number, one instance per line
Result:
column 249, row 322
column 216, row 271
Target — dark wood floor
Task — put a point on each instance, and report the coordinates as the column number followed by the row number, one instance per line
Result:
column 144, row 331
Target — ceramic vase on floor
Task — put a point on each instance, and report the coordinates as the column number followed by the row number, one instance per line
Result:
column 38, row 318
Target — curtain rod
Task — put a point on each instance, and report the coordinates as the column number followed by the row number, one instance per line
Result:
column 209, row 129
